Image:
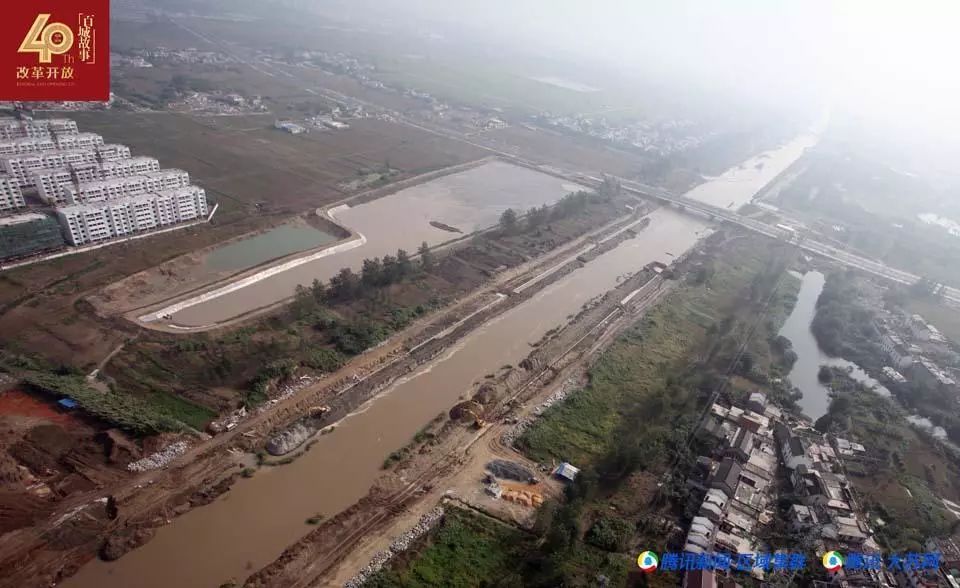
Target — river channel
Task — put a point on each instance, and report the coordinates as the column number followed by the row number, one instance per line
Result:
column 258, row 518
column 803, row 375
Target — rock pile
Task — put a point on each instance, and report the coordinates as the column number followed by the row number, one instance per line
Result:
column 158, row 459
column 290, row 439
column 509, row 470
column 399, row 545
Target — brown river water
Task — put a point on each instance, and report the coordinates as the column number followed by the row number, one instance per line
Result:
column 258, row 518
column 468, row 200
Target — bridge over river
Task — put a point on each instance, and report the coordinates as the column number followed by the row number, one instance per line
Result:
column 780, row 233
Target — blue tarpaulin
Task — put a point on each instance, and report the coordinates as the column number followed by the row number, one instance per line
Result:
column 69, row 403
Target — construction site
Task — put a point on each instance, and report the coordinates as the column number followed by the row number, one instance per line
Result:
column 585, row 291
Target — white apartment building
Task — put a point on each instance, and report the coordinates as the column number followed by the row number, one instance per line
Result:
column 10, row 196
column 100, row 190
column 50, row 184
column 166, row 179
column 21, row 166
column 123, row 168
column 85, row 172
column 79, row 141
column 26, row 145
column 190, row 202
column 57, row 126
column 113, row 151
column 896, row 350
column 15, row 129
column 92, row 222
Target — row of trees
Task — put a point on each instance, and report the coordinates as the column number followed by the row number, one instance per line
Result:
column 375, row 273
column 569, row 205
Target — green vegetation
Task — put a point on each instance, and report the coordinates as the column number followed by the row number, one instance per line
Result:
column 907, row 472
column 632, row 422
column 324, row 360
column 843, row 325
column 610, row 534
column 130, row 413
column 647, row 372
column 280, row 369
column 570, row 205
column 508, row 221
column 177, row 408
column 315, row 519
column 466, row 550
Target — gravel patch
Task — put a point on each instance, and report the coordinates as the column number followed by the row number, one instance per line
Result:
column 399, row 545
column 509, row 470
column 158, row 459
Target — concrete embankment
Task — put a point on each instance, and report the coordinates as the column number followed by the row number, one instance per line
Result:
column 358, row 241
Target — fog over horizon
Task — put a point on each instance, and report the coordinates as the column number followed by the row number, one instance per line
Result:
column 890, row 62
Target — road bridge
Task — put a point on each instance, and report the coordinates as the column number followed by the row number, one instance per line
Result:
column 785, row 234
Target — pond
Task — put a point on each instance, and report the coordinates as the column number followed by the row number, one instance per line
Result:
column 273, row 244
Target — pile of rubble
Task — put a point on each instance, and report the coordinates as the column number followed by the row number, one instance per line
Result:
column 159, row 459
column 399, row 545
column 513, row 433
column 286, row 391
column 290, row 439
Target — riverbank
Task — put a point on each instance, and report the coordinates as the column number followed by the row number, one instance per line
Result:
column 167, row 496
column 395, row 417
column 804, row 373
column 622, row 428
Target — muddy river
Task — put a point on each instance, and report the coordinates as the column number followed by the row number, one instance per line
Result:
column 467, row 201
column 251, row 525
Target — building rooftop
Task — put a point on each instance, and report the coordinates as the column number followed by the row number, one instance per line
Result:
column 728, row 472
column 566, row 471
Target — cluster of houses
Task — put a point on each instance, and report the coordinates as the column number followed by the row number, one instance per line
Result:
column 762, row 460
column 737, row 482
column 911, row 346
column 659, row 138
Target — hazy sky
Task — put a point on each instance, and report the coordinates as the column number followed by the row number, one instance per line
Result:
column 891, row 59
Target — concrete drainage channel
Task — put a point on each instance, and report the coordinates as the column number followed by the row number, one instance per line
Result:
column 399, row 545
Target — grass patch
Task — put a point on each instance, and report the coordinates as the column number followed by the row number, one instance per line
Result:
column 186, row 412
column 130, row 413
column 650, row 364
column 465, row 550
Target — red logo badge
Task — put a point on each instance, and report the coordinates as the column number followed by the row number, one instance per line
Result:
column 55, row 50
